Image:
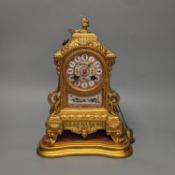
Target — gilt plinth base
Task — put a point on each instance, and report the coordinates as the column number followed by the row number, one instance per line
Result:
column 95, row 144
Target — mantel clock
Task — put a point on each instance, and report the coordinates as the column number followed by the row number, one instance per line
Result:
column 85, row 117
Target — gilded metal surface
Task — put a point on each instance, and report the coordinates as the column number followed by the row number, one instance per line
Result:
column 85, row 120
column 85, row 148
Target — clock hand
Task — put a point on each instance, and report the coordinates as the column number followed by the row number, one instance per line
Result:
column 76, row 78
column 93, row 77
column 89, row 64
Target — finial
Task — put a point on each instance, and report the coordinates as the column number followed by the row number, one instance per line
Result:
column 85, row 23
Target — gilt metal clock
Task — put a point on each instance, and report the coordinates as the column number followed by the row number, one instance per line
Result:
column 85, row 117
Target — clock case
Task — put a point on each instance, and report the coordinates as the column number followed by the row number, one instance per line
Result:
column 85, row 130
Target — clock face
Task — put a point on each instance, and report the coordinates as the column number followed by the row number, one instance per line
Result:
column 84, row 71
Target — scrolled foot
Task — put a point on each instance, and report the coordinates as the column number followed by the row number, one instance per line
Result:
column 50, row 137
column 118, row 139
column 115, row 130
column 53, row 129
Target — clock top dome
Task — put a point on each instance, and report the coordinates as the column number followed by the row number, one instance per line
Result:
column 83, row 38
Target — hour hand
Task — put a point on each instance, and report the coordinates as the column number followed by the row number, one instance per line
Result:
column 75, row 77
column 89, row 64
column 93, row 77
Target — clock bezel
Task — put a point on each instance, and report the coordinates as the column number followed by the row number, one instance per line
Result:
column 98, row 56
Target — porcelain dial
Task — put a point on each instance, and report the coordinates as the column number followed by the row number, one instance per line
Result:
column 84, row 71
